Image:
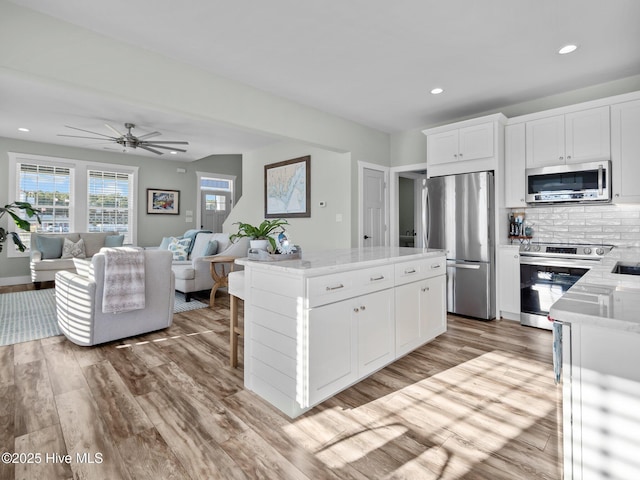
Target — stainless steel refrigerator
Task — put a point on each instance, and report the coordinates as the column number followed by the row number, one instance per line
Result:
column 458, row 218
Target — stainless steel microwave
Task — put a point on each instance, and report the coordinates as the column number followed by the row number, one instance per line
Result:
column 580, row 182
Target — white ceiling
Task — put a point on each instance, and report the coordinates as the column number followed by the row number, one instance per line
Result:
column 370, row 61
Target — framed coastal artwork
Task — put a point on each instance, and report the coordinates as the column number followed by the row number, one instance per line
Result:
column 163, row 201
column 287, row 188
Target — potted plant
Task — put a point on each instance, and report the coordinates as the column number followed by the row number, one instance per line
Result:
column 11, row 209
column 261, row 232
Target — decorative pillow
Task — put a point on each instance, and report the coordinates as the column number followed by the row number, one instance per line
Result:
column 212, row 248
column 51, row 247
column 164, row 244
column 73, row 250
column 114, row 241
column 179, row 248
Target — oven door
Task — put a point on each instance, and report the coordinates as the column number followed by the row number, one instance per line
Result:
column 542, row 282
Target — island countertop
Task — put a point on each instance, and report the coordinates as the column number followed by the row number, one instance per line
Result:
column 603, row 298
column 334, row 261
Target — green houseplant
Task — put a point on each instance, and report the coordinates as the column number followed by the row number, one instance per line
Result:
column 12, row 209
column 261, row 232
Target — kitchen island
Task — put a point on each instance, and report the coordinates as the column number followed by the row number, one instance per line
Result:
column 317, row 325
column 601, row 378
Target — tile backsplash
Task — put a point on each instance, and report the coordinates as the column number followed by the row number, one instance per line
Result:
column 610, row 224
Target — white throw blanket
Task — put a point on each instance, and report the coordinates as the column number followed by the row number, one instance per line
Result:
column 123, row 279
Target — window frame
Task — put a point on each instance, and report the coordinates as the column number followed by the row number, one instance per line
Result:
column 79, row 190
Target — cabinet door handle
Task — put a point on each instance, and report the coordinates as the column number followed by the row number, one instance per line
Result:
column 409, row 270
column 375, row 279
column 425, row 289
column 362, row 307
column 335, row 287
column 356, row 310
column 437, row 265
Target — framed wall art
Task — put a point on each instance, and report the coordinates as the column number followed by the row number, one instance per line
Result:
column 163, row 201
column 287, row 188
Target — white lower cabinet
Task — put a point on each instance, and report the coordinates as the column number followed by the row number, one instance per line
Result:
column 349, row 340
column 420, row 313
column 601, row 403
column 509, row 281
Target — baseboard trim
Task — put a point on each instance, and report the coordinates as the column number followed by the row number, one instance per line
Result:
column 6, row 281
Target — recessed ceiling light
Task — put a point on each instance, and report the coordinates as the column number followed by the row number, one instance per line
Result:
column 437, row 91
column 567, row 49
column 173, row 153
column 22, row 129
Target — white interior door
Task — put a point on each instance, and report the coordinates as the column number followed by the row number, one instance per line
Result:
column 216, row 206
column 374, row 208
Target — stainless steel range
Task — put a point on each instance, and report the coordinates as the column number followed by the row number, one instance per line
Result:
column 547, row 271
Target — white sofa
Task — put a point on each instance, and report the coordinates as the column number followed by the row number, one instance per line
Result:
column 44, row 269
column 79, row 302
column 194, row 274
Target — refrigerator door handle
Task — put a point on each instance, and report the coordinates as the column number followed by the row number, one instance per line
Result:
column 465, row 265
column 425, row 207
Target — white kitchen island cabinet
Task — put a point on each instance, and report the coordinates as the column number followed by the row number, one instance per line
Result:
column 600, row 375
column 317, row 325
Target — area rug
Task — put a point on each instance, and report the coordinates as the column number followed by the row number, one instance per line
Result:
column 31, row 315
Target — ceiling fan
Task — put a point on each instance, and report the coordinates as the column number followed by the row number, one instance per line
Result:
column 129, row 140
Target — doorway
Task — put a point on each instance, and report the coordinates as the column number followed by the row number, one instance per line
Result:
column 215, row 200
column 373, row 181
column 406, row 205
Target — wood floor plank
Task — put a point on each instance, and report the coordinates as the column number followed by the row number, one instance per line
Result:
column 7, row 373
column 85, row 433
column 64, row 372
column 35, row 406
column 49, row 444
column 147, row 456
column 123, row 416
column 26, row 352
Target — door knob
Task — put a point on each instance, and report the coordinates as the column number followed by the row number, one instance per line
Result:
column 366, row 237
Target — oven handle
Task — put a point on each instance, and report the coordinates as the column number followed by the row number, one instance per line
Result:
column 555, row 262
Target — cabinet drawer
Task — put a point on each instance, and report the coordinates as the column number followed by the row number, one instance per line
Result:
column 332, row 288
column 407, row 272
column 374, row 279
column 340, row 286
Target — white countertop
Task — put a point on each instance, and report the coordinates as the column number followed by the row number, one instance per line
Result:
column 331, row 261
column 603, row 298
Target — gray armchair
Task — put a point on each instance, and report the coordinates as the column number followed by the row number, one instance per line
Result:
column 79, row 301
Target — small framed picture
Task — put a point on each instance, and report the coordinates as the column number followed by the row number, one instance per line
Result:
column 163, row 201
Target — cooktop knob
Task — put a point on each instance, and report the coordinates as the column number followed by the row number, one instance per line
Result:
column 600, row 251
column 587, row 251
column 526, row 248
column 536, row 248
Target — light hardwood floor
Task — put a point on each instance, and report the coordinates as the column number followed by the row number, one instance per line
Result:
column 479, row 402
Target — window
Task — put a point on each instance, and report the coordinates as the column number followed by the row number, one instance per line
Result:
column 48, row 189
column 215, row 202
column 74, row 195
column 108, row 200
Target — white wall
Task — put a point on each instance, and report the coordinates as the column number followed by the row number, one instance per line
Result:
column 330, row 182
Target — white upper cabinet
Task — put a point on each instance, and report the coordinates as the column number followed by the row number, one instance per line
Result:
column 625, row 152
column 514, row 165
column 474, row 142
column 582, row 136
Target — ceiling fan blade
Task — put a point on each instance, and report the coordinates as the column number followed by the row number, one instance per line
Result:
column 79, row 136
column 150, row 149
column 149, row 135
column 89, row 131
column 160, row 146
column 114, row 130
column 177, row 143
